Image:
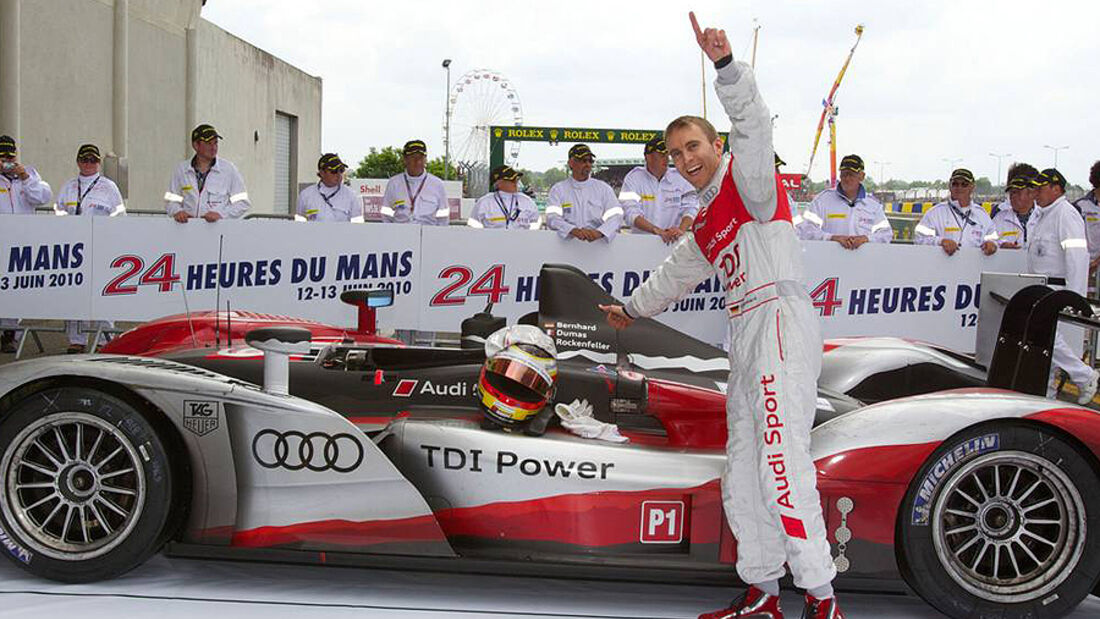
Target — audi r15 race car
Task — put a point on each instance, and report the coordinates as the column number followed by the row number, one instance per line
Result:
column 984, row 501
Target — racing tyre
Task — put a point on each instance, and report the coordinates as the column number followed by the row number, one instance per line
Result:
column 87, row 485
column 1003, row 521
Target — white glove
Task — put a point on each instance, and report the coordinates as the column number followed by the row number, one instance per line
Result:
column 577, row 418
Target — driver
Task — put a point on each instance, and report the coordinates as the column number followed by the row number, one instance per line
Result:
column 517, row 379
column 744, row 234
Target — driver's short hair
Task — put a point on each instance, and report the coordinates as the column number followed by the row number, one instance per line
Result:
column 1094, row 175
column 684, row 122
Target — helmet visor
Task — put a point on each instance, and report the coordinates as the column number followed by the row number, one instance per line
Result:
column 520, row 373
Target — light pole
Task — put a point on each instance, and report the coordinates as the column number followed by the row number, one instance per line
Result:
column 447, row 122
column 881, row 180
column 999, row 158
column 1055, row 149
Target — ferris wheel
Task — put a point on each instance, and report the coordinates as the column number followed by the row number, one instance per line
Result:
column 479, row 99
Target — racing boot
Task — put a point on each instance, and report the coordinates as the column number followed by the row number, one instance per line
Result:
column 752, row 604
column 827, row 608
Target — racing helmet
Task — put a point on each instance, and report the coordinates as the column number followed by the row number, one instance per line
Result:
column 518, row 376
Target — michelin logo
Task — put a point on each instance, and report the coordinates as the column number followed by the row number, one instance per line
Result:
column 15, row 549
column 922, row 505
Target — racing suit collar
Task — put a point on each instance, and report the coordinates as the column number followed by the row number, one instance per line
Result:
column 576, row 183
column 708, row 193
column 861, row 193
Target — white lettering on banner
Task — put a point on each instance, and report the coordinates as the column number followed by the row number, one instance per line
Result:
column 50, row 269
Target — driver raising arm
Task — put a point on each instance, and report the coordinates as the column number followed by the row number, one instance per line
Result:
column 743, row 232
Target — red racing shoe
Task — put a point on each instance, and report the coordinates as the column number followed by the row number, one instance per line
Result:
column 822, row 609
column 752, row 604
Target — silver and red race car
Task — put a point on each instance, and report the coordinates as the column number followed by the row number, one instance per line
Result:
column 984, row 501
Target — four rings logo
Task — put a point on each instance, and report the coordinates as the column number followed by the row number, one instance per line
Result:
column 316, row 451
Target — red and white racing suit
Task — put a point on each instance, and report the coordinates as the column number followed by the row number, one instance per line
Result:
column 744, row 233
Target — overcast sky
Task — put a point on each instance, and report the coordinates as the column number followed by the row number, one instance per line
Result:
column 931, row 80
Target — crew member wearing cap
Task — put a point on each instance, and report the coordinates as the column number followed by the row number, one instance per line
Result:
column 205, row 186
column 583, row 207
column 21, row 191
column 92, row 195
column 416, row 195
column 1089, row 205
column 846, row 213
column 329, row 199
column 505, row 206
column 959, row 222
column 657, row 199
column 1057, row 247
column 1010, row 220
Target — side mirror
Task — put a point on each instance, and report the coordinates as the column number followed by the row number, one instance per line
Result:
column 277, row 344
column 367, row 301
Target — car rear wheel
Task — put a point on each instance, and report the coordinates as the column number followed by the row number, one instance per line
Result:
column 1003, row 519
column 87, row 485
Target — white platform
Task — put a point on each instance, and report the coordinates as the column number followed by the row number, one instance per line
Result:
column 169, row 588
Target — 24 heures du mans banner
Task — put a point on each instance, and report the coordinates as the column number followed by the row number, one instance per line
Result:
column 140, row 268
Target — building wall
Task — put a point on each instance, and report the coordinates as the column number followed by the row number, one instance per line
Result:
column 66, row 94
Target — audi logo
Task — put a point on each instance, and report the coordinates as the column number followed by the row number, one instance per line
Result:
column 316, row 451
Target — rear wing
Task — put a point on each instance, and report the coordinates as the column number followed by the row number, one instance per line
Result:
column 1026, row 310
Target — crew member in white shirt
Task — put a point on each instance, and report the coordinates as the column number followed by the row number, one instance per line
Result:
column 505, row 206
column 1057, row 247
column 329, row 199
column 90, row 194
column 1010, row 220
column 416, row 195
column 21, row 191
column 846, row 213
column 959, row 222
column 583, row 207
column 656, row 199
column 206, row 186
column 1089, row 205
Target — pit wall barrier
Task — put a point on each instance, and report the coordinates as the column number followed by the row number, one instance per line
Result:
column 136, row 269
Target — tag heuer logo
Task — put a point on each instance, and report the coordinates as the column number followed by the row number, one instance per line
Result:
column 200, row 417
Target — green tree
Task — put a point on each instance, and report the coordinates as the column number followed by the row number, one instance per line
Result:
column 381, row 163
column 436, row 166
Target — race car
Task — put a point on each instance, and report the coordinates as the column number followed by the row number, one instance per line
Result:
column 984, row 501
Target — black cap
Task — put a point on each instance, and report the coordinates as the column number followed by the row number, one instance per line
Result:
column 851, row 162
column 414, row 147
column 778, row 161
column 1021, row 181
column 7, row 146
column 962, row 174
column 656, row 144
column 1050, row 176
column 330, row 162
column 88, row 151
column 503, row 173
column 581, row 151
column 204, row 133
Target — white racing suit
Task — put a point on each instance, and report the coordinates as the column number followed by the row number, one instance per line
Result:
column 744, row 233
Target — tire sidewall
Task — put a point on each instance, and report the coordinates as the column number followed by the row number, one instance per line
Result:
column 921, row 565
column 146, row 536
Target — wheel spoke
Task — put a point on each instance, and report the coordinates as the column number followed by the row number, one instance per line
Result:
column 40, row 501
column 996, row 560
column 1044, row 521
column 83, row 523
column 113, row 490
column 1012, row 555
column 68, row 521
column 116, row 474
column 967, row 497
column 1039, row 538
column 1012, row 486
column 111, row 506
column 114, row 453
column 103, row 524
column 981, row 553
column 963, row 548
column 1030, row 554
column 52, row 513
column 44, row 484
column 95, row 445
column 1040, row 504
column 1029, row 490
column 61, row 443
column 49, row 454
column 41, row 469
column 959, row 512
column 997, row 481
column 978, row 480
column 962, row 529
column 79, row 440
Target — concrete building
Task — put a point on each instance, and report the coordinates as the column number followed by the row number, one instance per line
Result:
column 134, row 76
